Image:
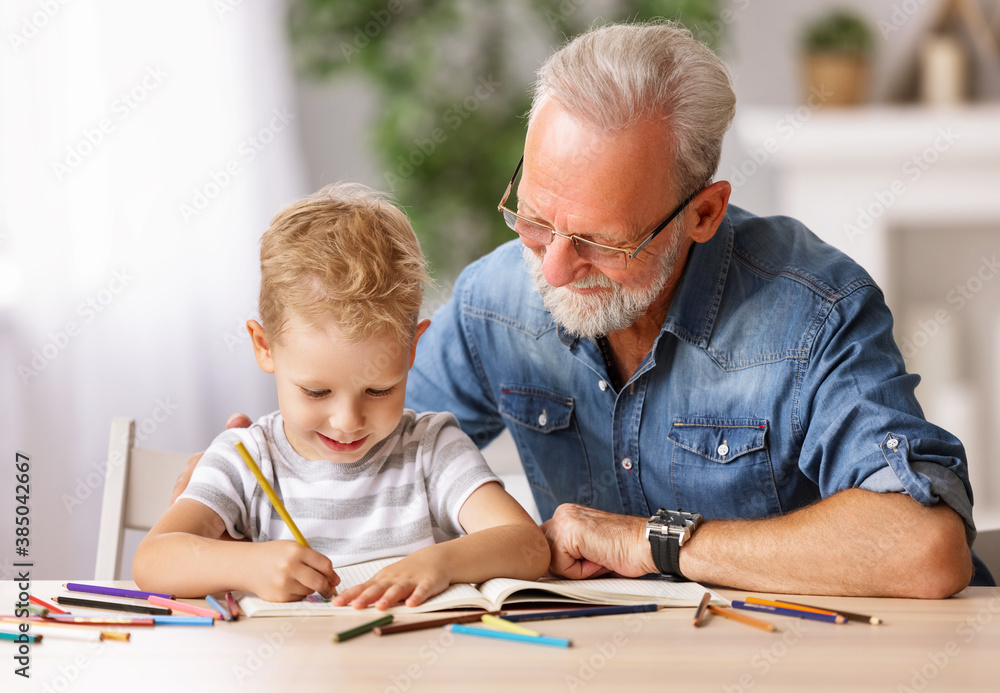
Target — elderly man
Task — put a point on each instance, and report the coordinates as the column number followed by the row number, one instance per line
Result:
column 693, row 390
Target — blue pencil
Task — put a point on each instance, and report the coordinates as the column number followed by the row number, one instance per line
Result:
column 577, row 613
column 504, row 635
column 214, row 603
column 183, row 621
column 828, row 618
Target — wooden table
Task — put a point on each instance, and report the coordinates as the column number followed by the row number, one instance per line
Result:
column 947, row 645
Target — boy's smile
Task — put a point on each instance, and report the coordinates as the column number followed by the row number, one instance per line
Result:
column 338, row 398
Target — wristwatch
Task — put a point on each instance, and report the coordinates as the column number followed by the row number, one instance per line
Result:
column 667, row 531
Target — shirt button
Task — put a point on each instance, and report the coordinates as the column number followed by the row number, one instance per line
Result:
column 602, row 384
column 626, row 463
column 723, row 450
column 543, row 418
column 892, row 443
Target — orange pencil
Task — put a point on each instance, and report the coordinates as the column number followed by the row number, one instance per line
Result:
column 742, row 618
column 181, row 606
column 790, row 605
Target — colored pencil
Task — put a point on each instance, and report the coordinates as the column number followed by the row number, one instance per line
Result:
column 273, row 497
column 112, row 606
column 112, row 591
column 362, row 629
column 231, row 603
column 581, row 612
column 49, row 623
column 38, row 610
column 797, row 613
column 103, row 620
column 184, row 620
column 64, row 632
column 214, row 603
column 510, row 627
column 181, row 606
column 20, row 637
column 45, row 605
column 424, row 625
column 504, row 635
column 700, row 613
column 266, row 487
column 742, row 618
column 789, row 605
column 849, row 615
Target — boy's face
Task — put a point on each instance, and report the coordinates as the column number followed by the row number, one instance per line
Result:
column 337, row 398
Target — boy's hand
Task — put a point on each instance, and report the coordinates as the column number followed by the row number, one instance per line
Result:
column 414, row 579
column 285, row 571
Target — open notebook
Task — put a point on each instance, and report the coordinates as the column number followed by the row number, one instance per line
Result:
column 493, row 594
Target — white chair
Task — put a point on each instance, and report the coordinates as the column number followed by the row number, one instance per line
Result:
column 137, row 488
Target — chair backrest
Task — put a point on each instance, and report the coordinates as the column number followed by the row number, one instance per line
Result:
column 137, row 488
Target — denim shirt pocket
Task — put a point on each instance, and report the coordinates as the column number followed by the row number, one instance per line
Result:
column 721, row 468
column 543, row 426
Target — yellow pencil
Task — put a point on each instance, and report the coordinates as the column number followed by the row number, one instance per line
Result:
column 275, row 501
column 742, row 618
column 502, row 624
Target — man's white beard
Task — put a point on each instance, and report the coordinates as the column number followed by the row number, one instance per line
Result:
column 598, row 314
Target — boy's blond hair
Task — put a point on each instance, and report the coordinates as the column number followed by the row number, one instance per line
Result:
column 345, row 253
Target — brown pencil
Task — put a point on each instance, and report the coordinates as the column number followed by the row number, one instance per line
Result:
column 860, row 618
column 700, row 613
column 742, row 618
column 434, row 623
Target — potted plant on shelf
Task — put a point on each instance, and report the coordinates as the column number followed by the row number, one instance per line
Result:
column 837, row 50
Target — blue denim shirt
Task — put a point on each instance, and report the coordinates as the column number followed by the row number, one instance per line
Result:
column 774, row 382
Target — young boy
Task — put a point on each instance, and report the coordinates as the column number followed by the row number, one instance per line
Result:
column 342, row 280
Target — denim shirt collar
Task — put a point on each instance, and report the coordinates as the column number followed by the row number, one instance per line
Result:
column 695, row 305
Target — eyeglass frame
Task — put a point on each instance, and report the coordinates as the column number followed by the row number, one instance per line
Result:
column 629, row 254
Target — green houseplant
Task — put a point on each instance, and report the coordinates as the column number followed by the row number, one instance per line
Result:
column 452, row 80
column 837, row 49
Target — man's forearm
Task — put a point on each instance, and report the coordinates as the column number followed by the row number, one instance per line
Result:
column 854, row 543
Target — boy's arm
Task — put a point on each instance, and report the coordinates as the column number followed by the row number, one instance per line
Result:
column 184, row 555
column 502, row 540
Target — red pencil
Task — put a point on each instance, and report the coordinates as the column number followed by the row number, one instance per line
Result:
column 51, row 607
column 231, row 603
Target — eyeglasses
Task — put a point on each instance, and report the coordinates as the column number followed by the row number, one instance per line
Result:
column 602, row 255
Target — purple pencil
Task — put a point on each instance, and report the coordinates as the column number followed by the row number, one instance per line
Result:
column 113, row 591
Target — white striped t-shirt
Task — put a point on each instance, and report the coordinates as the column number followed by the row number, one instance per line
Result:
column 404, row 494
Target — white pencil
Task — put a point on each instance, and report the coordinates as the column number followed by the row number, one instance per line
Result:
column 66, row 633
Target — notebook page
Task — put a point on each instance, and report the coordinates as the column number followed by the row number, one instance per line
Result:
column 610, row 590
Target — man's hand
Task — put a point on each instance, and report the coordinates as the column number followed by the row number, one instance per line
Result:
column 235, row 421
column 587, row 542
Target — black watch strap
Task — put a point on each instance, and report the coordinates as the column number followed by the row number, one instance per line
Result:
column 666, row 555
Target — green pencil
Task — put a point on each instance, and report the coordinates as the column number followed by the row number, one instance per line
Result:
column 363, row 628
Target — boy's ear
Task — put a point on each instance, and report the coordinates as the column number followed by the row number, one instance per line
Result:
column 421, row 328
column 261, row 347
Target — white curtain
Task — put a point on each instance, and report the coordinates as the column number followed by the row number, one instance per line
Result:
column 143, row 149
